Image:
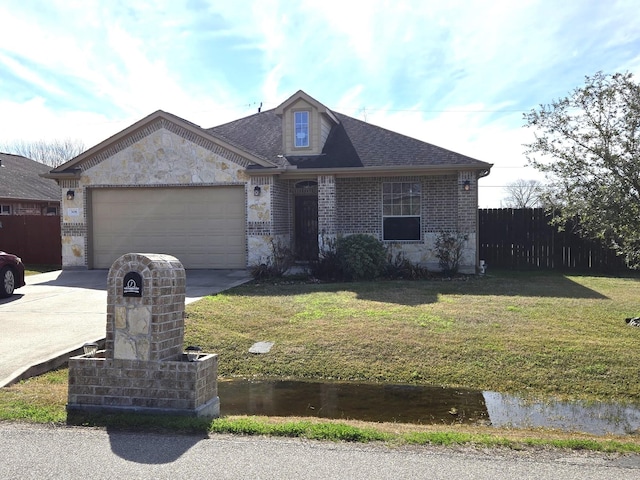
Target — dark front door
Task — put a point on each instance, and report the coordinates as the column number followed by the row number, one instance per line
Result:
column 306, row 228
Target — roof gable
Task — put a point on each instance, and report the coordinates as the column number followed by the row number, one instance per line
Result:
column 300, row 95
column 144, row 127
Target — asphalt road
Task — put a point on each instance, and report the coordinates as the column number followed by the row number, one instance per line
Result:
column 40, row 452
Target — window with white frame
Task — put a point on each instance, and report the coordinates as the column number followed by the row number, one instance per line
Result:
column 401, row 210
column 301, row 129
column 5, row 209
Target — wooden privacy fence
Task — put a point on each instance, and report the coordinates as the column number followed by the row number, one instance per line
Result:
column 34, row 238
column 521, row 238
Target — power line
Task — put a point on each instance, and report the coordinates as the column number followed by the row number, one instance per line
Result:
column 437, row 111
column 495, row 186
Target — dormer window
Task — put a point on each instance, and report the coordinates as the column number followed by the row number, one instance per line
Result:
column 301, row 129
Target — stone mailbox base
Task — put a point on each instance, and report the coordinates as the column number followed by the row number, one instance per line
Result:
column 142, row 368
column 180, row 387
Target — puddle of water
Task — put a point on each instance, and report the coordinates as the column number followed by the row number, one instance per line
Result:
column 597, row 418
column 420, row 405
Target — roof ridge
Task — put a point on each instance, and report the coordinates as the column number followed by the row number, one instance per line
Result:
column 239, row 119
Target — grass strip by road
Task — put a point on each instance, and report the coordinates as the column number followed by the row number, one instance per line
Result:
column 536, row 334
column 42, row 400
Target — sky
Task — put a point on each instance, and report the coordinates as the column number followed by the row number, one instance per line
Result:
column 457, row 74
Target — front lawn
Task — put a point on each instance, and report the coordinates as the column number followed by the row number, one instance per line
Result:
column 541, row 333
column 537, row 333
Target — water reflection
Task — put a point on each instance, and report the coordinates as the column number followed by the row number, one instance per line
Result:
column 597, row 418
column 418, row 404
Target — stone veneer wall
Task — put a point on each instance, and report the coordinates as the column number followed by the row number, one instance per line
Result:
column 276, row 226
column 162, row 155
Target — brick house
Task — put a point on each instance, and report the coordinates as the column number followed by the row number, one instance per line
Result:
column 297, row 175
column 23, row 191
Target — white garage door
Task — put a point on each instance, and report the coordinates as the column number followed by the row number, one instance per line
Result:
column 202, row 227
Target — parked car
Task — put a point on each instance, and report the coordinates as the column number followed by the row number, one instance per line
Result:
column 11, row 274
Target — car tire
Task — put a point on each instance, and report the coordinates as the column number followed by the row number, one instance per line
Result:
column 7, row 282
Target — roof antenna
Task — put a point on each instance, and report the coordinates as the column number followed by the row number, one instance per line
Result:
column 364, row 113
column 260, row 107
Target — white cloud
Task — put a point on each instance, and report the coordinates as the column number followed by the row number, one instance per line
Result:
column 450, row 73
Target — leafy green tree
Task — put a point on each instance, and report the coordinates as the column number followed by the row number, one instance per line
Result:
column 587, row 145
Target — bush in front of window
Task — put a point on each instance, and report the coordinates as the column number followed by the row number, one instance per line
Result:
column 448, row 251
column 400, row 267
column 361, row 256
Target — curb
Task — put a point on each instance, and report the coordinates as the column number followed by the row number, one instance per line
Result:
column 46, row 365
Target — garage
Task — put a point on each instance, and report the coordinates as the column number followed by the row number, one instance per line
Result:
column 204, row 227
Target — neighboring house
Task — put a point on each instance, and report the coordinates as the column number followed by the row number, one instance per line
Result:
column 23, row 191
column 298, row 175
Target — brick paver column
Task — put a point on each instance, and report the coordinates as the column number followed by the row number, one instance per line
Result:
column 327, row 209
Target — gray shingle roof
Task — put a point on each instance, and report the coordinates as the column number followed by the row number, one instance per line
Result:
column 20, row 180
column 352, row 143
column 259, row 134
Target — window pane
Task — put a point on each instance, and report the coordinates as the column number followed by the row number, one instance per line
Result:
column 401, row 199
column 401, row 228
column 301, row 129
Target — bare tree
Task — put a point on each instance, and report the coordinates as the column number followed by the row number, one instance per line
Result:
column 49, row 152
column 524, row 194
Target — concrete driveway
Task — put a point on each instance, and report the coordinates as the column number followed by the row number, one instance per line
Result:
column 51, row 317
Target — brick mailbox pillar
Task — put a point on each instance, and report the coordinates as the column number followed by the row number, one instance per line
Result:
column 143, row 368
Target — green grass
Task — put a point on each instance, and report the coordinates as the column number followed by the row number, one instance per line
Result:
column 536, row 334
column 36, row 269
column 305, row 429
column 40, row 400
column 540, row 334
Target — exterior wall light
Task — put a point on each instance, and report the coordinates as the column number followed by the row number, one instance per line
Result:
column 70, row 194
column 193, row 353
column 256, row 191
column 466, row 186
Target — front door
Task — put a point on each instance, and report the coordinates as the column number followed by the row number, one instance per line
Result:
column 306, row 228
